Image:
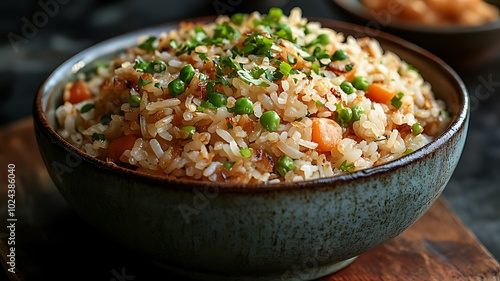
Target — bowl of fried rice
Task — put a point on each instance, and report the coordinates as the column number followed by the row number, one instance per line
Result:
column 251, row 147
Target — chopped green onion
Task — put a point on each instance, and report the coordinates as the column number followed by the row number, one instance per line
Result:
column 284, row 165
column 100, row 137
column 228, row 164
column 159, row 66
column 291, row 59
column 417, row 129
column 142, row 82
column 408, row 151
column 412, row 68
column 318, row 102
column 396, row 100
column 224, row 31
column 285, row 68
column 346, row 167
column 245, row 152
column 134, row 100
column 205, row 105
column 247, row 78
column 190, row 130
column 202, row 56
column 315, row 68
column 148, row 44
column 256, row 72
column 149, row 66
column 173, row 44
column 87, row 108
column 158, row 85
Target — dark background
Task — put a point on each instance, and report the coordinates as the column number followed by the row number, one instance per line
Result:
column 473, row 191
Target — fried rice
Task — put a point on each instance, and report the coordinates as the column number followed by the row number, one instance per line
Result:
column 269, row 98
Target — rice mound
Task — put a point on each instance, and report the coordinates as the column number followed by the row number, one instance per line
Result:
column 282, row 64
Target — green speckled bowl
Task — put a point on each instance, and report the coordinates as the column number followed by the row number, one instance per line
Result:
column 293, row 231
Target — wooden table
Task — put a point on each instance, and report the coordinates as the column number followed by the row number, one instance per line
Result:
column 53, row 243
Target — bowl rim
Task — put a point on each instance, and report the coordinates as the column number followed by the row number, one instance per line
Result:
column 459, row 120
column 360, row 11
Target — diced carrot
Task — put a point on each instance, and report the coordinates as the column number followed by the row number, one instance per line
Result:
column 79, row 92
column 326, row 133
column 119, row 145
column 378, row 92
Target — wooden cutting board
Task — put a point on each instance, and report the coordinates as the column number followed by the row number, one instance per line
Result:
column 53, row 243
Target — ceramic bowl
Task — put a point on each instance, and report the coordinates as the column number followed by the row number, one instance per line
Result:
column 289, row 231
column 466, row 48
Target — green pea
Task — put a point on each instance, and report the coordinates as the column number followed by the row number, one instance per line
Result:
column 323, row 39
column 417, row 129
column 360, row 83
column 275, row 13
column 339, row 55
column 243, row 106
column 357, row 111
column 284, row 165
column 176, row 87
column 347, row 87
column 246, row 152
column 187, row 73
column 270, row 120
column 237, row 18
column 216, row 99
column 190, row 130
column 344, row 116
column 134, row 100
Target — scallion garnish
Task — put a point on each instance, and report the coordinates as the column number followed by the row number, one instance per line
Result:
column 100, row 137
column 86, row 108
column 148, row 44
column 396, row 100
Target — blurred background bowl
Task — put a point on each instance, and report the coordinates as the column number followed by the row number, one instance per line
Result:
column 466, row 48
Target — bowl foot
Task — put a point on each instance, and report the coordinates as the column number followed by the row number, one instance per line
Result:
column 298, row 274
